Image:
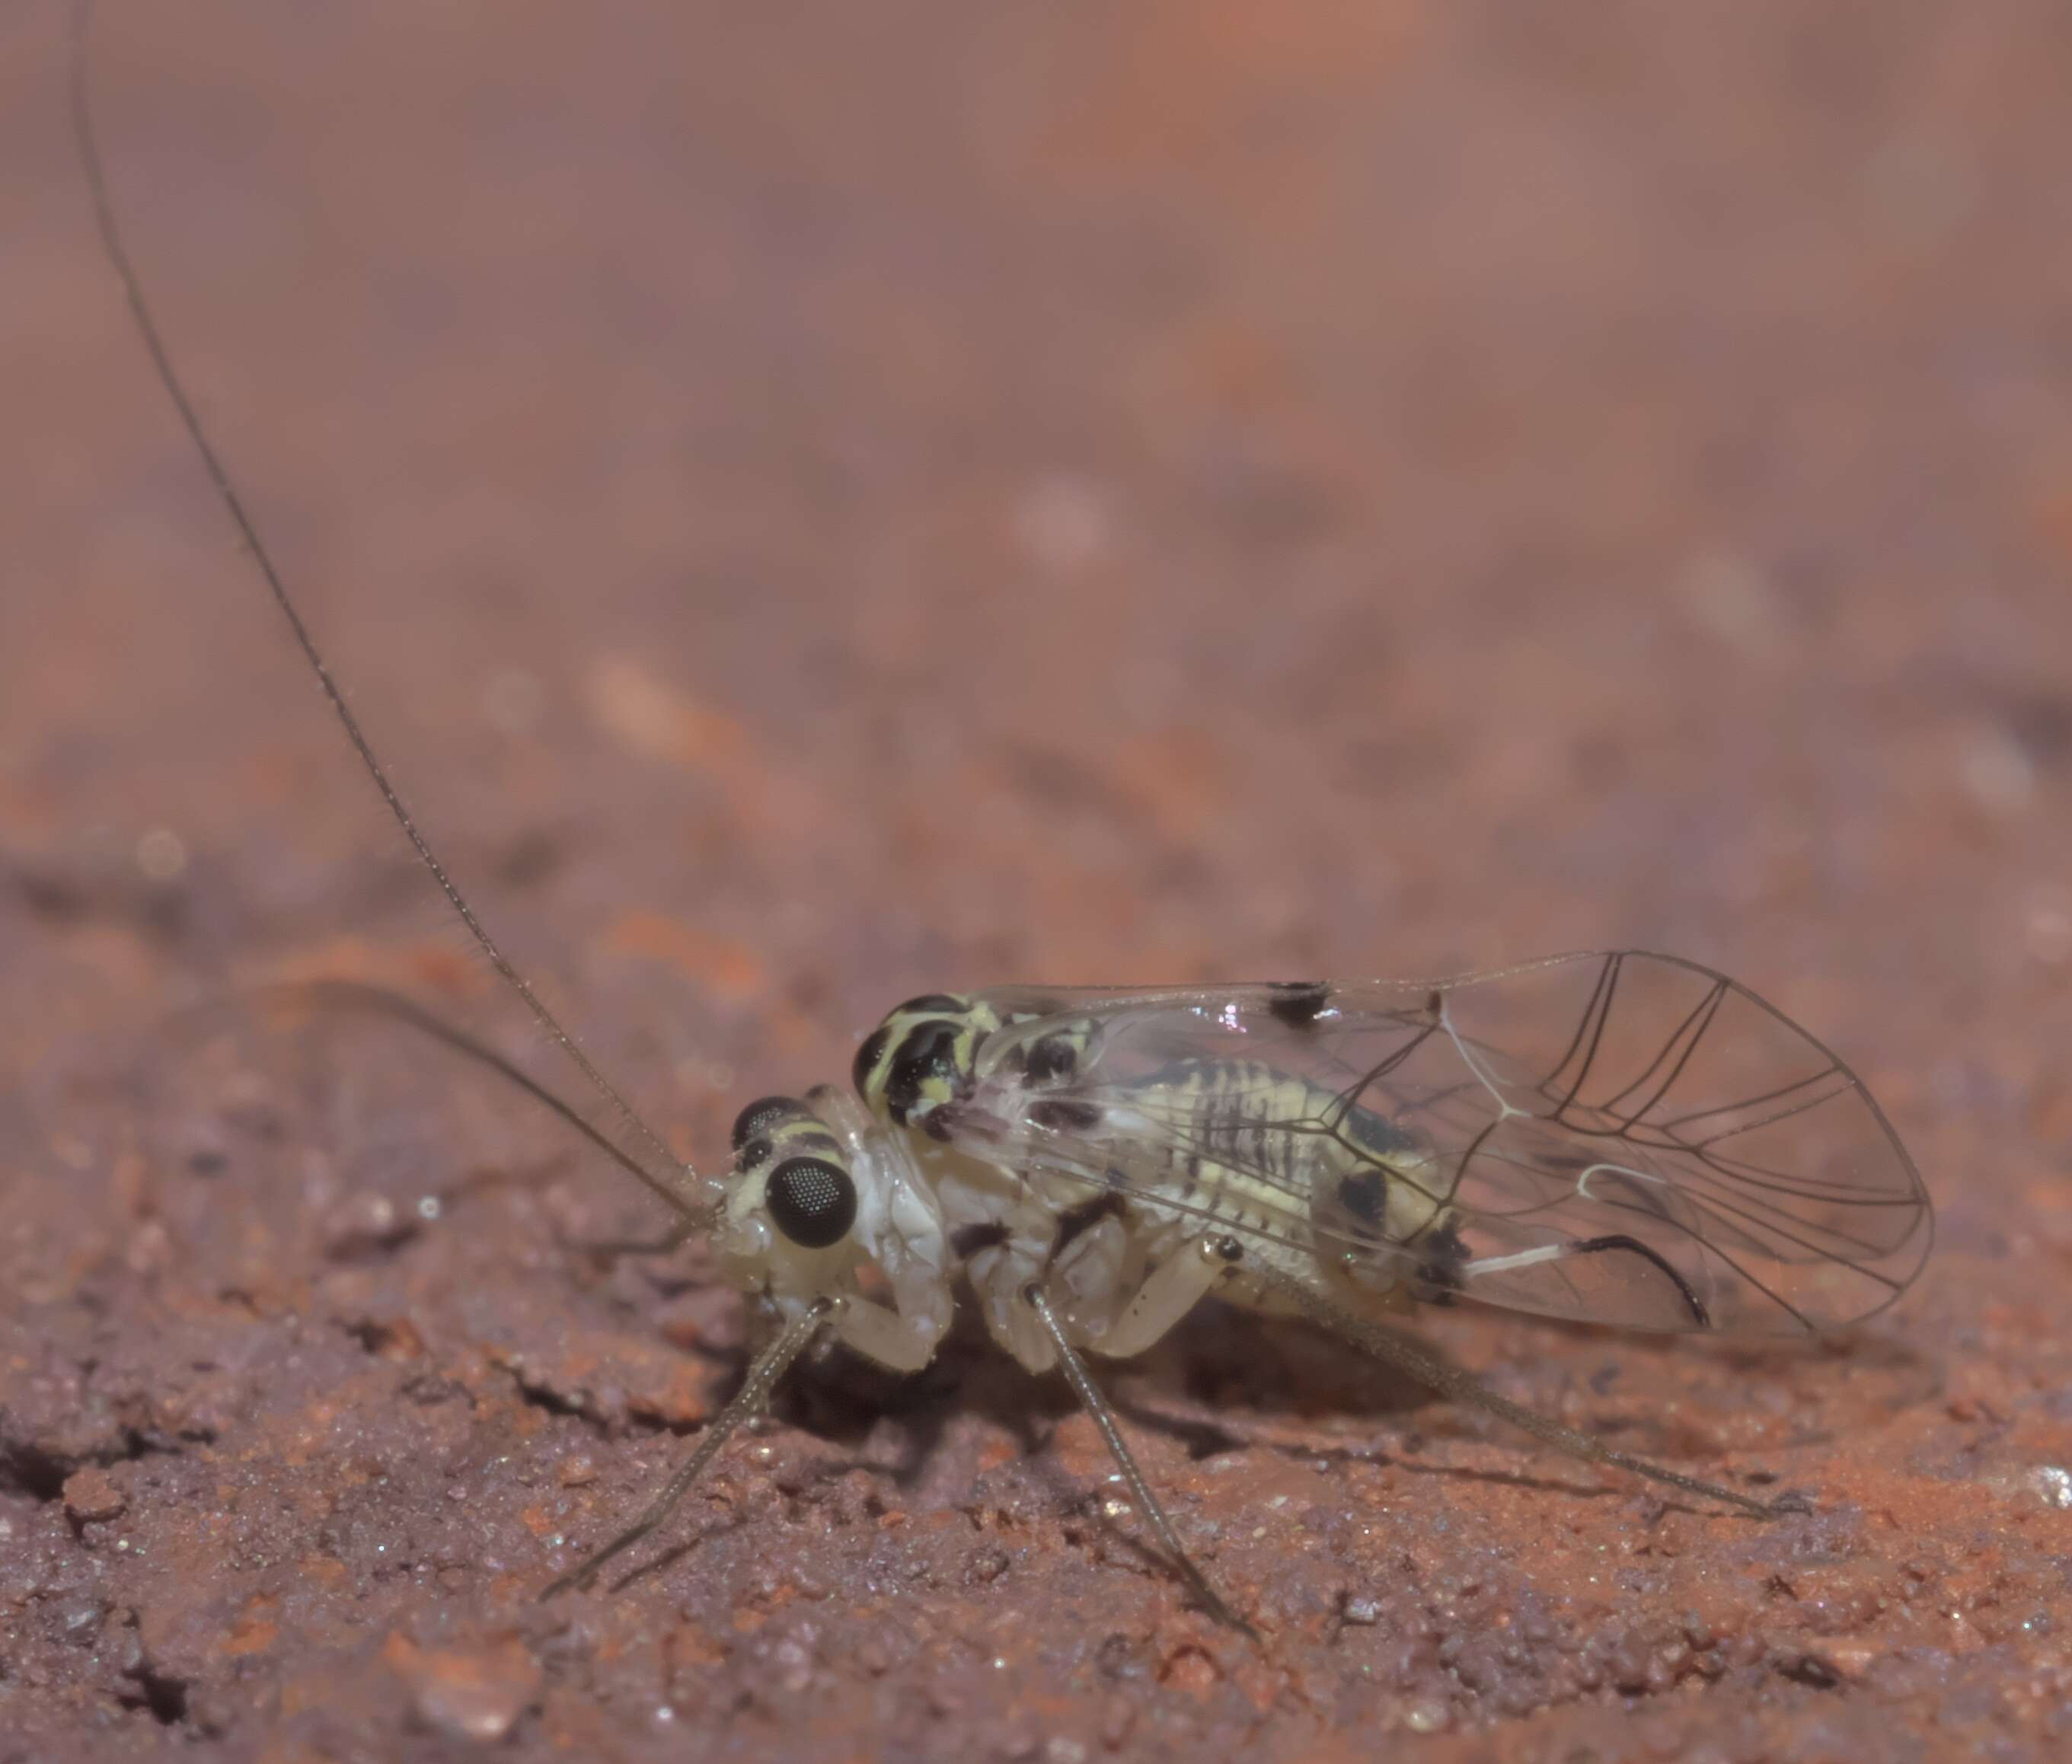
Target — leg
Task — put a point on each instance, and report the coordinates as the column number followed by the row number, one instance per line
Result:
column 775, row 1361
column 1171, row 1289
column 1147, row 1503
column 884, row 1337
column 1429, row 1370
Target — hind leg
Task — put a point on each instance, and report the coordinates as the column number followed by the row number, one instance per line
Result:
column 1147, row 1503
column 1168, row 1292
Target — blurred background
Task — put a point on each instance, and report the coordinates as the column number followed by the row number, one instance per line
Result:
column 817, row 503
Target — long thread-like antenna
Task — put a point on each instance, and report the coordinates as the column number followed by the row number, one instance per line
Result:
column 682, row 1188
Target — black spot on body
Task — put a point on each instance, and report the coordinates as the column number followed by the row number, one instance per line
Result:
column 1054, row 1056
column 1077, row 1221
column 1364, row 1194
column 1442, row 1252
column 931, row 1004
column 967, row 1241
column 1376, row 1133
column 1063, row 1114
column 1298, row 1003
column 811, row 1201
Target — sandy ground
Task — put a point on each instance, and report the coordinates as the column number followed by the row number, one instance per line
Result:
column 821, row 503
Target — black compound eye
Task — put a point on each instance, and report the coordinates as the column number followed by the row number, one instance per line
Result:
column 761, row 1115
column 811, row 1201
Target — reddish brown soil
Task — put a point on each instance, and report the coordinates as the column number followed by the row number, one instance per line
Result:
column 819, row 502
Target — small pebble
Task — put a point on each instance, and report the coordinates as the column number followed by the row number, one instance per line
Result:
column 474, row 1694
column 90, row 1494
column 1425, row 1718
column 363, row 1223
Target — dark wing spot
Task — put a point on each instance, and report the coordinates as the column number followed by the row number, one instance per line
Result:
column 868, row 1055
column 1064, row 1115
column 1054, row 1056
column 760, row 1116
column 1298, row 1003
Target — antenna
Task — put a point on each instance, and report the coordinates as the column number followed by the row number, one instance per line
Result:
column 679, row 1189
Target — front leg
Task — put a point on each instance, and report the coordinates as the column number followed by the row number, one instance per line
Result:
column 764, row 1377
column 898, row 1342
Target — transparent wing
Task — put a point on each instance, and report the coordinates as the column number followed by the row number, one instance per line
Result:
column 1622, row 1137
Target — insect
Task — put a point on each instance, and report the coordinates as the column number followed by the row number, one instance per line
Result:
column 1624, row 1138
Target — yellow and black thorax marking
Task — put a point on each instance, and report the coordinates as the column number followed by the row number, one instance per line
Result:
column 921, row 1056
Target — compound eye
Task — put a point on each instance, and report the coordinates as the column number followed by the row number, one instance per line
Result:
column 811, row 1201
column 760, row 1116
